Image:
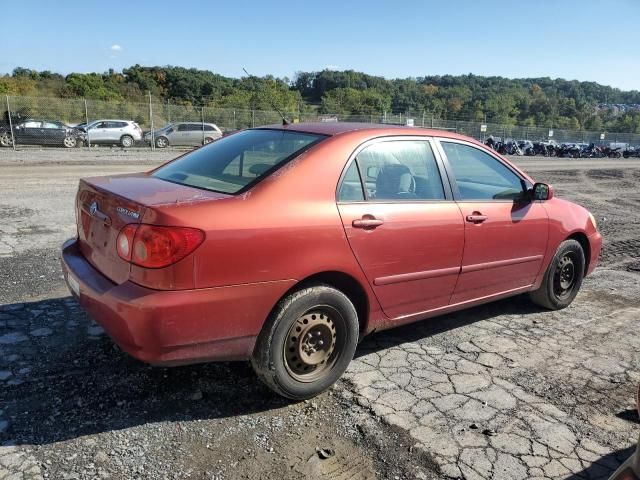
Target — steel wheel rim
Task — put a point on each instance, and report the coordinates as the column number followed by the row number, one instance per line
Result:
column 126, row 142
column 314, row 343
column 208, row 140
column 69, row 142
column 564, row 277
column 5, row 140
column 161, row 142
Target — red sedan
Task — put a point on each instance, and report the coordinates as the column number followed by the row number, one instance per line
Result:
column 287, row 244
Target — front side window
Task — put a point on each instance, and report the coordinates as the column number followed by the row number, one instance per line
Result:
column 399, row 170
column 31, row 124
column 50, row 125
column 234, row 162
column 479, row 176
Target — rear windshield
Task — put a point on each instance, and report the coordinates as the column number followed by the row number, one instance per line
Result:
column 234, row 162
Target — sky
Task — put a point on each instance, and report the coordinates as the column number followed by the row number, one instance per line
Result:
column 587, row 40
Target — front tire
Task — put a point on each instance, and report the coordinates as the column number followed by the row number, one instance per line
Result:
column 70, row 142
column 162, row 142
column 307, row 342
column 563, row 277
column 207, row 140
column 126, row 141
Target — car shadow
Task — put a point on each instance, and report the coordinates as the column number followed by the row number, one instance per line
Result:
column 60, row 378
column 630, row 415
column 518, row 305
column 604, row 466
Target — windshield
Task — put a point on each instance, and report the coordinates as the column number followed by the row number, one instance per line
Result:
column 235, row 162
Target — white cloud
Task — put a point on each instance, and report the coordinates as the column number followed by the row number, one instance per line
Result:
column 116, row 48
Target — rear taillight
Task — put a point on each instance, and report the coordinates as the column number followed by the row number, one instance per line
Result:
column 124, row 242
column 152, row 246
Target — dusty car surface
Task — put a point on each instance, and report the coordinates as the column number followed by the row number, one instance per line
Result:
column 286, row 244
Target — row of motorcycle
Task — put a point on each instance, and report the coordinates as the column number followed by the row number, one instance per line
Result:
column 553, row 149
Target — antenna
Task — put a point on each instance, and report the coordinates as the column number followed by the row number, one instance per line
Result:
column 273, row 105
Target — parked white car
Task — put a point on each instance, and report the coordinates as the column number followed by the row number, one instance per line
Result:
column 114, row 132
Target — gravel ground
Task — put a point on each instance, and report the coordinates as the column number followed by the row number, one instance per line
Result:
column 499, row 391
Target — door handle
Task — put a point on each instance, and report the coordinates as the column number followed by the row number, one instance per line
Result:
column 367, row 222
column 476, row 217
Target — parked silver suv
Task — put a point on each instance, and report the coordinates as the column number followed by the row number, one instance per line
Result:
column 114, row 132
column 184, row 133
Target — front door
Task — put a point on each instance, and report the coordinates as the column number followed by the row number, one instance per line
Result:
column 97, row 133
column 404, row 228
column 505, row 232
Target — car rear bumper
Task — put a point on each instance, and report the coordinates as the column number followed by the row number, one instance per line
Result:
column 595, row 243
column 172, row 327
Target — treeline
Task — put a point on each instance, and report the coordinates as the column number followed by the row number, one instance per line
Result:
column 542, row 102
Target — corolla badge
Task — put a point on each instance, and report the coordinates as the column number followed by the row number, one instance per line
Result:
column 93, row 208
column 126, row 211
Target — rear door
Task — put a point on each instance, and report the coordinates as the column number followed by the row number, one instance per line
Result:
column 404, row 228
column 195, row 134
column 29, row 132
column 505, row 234
column 114, row 130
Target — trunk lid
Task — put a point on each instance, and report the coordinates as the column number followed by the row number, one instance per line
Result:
column 106, row 204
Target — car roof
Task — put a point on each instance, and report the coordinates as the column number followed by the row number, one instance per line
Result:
column 110, row 120
column 376, row 129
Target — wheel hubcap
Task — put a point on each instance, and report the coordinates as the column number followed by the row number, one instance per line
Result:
column 564, row 277
column 310, row 348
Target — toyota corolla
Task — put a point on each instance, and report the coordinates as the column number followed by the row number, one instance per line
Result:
column 285, row 245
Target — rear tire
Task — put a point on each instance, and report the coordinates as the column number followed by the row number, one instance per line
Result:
column 563, row 277
column 6, row 140
column 126, row 141
column 207, row 140
column 307, row 342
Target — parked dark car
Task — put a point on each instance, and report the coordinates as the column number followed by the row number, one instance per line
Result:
column 42, row 132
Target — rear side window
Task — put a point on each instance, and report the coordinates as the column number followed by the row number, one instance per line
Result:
column 396, row 170
column 234, row 162
column 479, row 176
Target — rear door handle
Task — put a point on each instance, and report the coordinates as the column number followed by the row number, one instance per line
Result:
column 476, row 218
column 367, row 223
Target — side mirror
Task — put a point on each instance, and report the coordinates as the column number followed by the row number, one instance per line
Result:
column 542, row 191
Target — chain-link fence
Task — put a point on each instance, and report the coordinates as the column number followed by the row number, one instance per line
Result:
column 155, row 124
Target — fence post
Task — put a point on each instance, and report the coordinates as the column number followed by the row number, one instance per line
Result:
column 153, row 140
column 86, row 119
column 235, row 123
column 202, row 115
column 253, row 117
column 168, row 111
column 13, row 139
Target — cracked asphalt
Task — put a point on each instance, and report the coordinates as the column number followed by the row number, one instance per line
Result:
column 501, row 391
